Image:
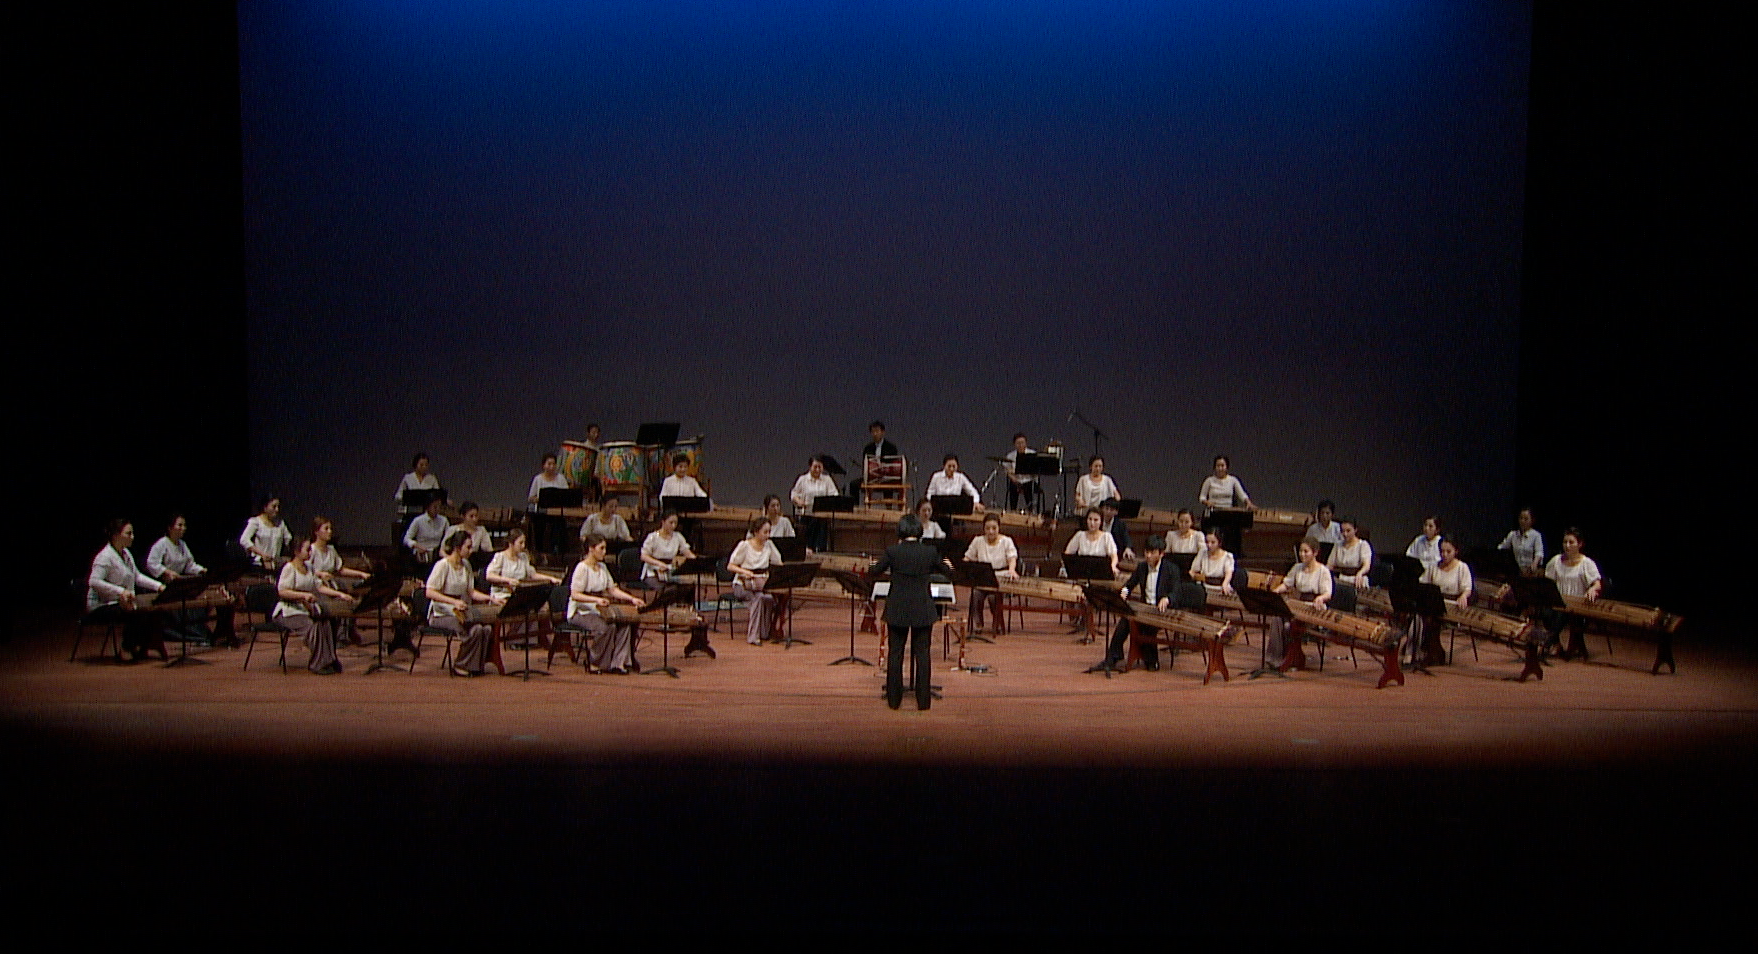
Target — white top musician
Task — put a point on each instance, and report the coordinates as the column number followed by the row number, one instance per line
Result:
column 607, row 522
column 1309, row 579
column 994, row 549
column 1527, row 544
column 548, row 479
column 931, row 529
column 1213, row 567
column 325, row 560
column 612, row 648
column 1094, row 488
column 1222, row 489
column 265, row 535
column 299, row 589
column 664, row 549
column 451, row 588
column 427, row 533
column 948, row 482
column 1451, row 575
column 419, row 477
column 511, row 567
column 1427, row 545
column 170, row 557
column 779, row 526
column 1020, row 487
column 1184, row 539
column 110, row 589
column 470, row 520
column 1575, row 572
column 680, row 483
column 1324, row 529
column 750, row 563
column 811, row 485
column 1351, row 559
column 1094, row 541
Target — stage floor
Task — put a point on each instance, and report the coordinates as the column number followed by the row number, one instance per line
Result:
column 1037, row 797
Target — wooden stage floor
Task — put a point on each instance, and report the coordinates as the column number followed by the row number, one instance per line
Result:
column 770, row 790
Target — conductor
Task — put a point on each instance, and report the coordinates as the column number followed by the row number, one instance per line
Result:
column 910, row 610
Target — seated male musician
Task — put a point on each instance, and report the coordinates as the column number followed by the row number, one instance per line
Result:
column 879, row 448
column 1155, row 582
column 1118, row 529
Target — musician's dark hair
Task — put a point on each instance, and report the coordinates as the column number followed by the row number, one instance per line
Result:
column 909, row 525
column 879, row 424
column 669, row 514
column 925, row 500
column 114, row 527
column 267, row 499
column 1326, row 503
column 593, row 425
column 1350, row 521
column 1109, row 502
column 514, row 534
column 1184, row 512
column 1447, row 540
column 1098, row 457
column 1576, row 533
column 317, row 523
column 769, row 497
column 547, row 458
column 949, row 456
column 415, row 461
column 1439, row 529
column 756, row 522
column 1219, row 458
column 433, row 501
column 590, row 541
column 1155, row 542
column 1527, row 510
column 992, row 517
column 466, row 507
column 456, row 540
column 1018, row 434
column 1307, row 542
column 176, row 515
column 679, row 459
column 1092, row 512
column 607, row 499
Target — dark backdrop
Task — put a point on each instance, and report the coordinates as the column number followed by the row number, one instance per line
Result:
column 134, row 201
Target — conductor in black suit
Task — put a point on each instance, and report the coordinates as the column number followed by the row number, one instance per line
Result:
column 1155, row 582
column 910, row 609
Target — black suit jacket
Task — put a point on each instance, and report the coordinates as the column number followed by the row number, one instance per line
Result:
column 910, row 563
column 884, row 450
column 1167, row 584
column 1120, row 533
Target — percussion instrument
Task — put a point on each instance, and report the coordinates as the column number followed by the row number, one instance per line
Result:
column 577, row 462
column 622, row 463
column 1347, row 629
column 1180, row 630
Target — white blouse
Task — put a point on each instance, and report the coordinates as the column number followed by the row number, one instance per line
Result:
column 542, row 482
column 513, row 568
column 941, row 485
column 807, row 489
column 781, row 527
column 1452, row 582
column 659, row 548
column 616, row 529
column 1210, row 569
column 166, row 555
column 1316, row 581
column 113, row 574
column 588, row 579
column 997, row 556
column 747, row 556
column 412, row 482
column 932, row 531
column 1223, row 493
column 1528, row 547
column 324, row 559
column 1188, row 544
column 1425, row 549
column 1079, row 545
column 1089, row 493
column 1572, row 580
column 272, row 539
column 1319, row 533
column 292, row 579
column 456, row 583
column 1350, row 560
column 426, row 533
column 676, row 486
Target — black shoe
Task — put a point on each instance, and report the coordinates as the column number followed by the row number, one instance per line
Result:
column 1109, row 665
column 1152, row 666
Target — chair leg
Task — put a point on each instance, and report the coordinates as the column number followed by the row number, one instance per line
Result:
column 283, row 652
column 250, row 649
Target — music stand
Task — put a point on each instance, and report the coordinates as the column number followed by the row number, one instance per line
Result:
column 662, row 434
column 1182, row 561
column 859, row 591
column 1422, row 601
column 1128, row 508
column 525, row 601
column 671, row 594
column 792, row 549
column 419, row 499
column 1100, row 599
column 831, row 504
column 1265, row 604
column 561, row 498
column 1324, row 551
column 786, row 577
column 376, row 593
column 181, row 590
column 953, row 505
column 685, row 505
column 1086, row 567
column 978, row 576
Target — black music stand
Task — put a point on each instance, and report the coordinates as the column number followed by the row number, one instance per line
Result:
column 182, row 590
column 792, row 549
column 832, row 505
column 978, row 576
column 1230, row 526
column 786, row 577
column 671, row 594
column 1086, row 567
column 1101, row 599
column 1182, row 561
column 658, row 434
column 526, row 601
column 696, row 568
column 686, row 504
column 561, row 498
column 376, row 593
column 1128, row 508
column 1040, row 465
column 860, row 591
column 1265, row 604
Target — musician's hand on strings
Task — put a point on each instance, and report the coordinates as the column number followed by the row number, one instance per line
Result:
column 127, row 601
column 1165, row 601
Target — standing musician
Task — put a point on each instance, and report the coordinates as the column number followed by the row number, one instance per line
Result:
column 1323, row 529
column 265, row 536
column 750, row 563
column 1575, row 574
column 593, row 433
column 1427, row 545
column 548, row 529
column 811, row 485
column 1094, row 541
column 1213, row 567
column 299, row 588
column 948, row 482
column 1352, row 559
column 910, row 611
column 1118, row 529
column 779, row 526
column 451, row 587
column 1094, row 487
column 170, row 559
column 612, row 647
column 1186, row 538
column 1222, row 489
column 680, row 483
column 606, row 522
column 1310, row 581
column 999, row 552
column 932, row 529
column 1150, row 585
column 662, row 551
column 1526, row 543
column 1021, row 488
column 426, row 534
column 110, row 589
column 548, row 478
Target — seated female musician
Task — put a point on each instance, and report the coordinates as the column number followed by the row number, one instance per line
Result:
column 325, row 559
column 1352, row 559
column 170, row 559
column 426, row 534
column 999, row 552
column 470, row 521
column 1223, row 490
column 1185, row 538
column 1094, row 541
column 1308, row 581
column 547, row 479
column 299, row 588
column 680, row 483
column 811, row 485
column 1094, row 488
column 1527, row 545
column 1323, row 528
column 1451, row 574
column 607, row 522
column 750, row 563
column 110, row 589
column 1575, row 574
column 451, row 586
column 1427, row 545
column 612, row 646
column 779, row 526
column 265, row 536
column 664, row 549
column 511, row 567
column 1213, row 567
column 931, row 528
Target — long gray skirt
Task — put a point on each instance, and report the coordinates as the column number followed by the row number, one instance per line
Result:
column 473, row 647
column 319, row 636
column 612, row 645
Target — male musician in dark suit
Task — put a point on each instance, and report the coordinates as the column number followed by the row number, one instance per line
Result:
column 910, row 609
column 1118, row 529
column 880, row 447
column 1154, row 581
